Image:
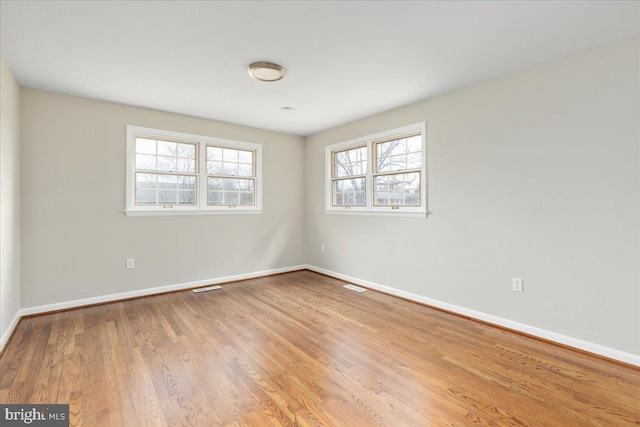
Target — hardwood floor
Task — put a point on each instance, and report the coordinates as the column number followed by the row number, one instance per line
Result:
column 299, row 350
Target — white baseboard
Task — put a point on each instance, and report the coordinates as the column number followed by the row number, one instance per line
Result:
column 590, row 347
column 151, row 291
column 7, row 334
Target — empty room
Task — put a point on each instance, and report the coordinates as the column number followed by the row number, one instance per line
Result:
column 319, row 213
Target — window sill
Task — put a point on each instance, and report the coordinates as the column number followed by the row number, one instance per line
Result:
column 398, row 213
column 177, row 212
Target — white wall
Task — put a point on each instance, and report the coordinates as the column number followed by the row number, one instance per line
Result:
column 534, row 175
column 9, row 199
column 76, row 237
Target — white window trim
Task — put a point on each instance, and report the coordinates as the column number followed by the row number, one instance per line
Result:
column 369, row 208
column 202, row 208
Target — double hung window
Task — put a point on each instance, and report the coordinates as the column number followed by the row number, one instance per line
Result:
column 383, row 173
column 231, row 177
column 349, row 177
column 166, row 172
column 176, row 173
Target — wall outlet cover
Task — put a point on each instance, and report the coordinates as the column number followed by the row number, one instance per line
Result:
column 518, row 285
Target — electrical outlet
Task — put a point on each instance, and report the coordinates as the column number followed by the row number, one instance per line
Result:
column 322, row 248
column 130, row 263
column 517, row 285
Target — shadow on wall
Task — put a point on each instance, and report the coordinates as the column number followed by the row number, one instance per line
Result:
column 269, row 252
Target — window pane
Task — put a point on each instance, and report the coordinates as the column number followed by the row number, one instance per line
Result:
column 399, row 146
column 145, row 197
column 167, row 182
column 229, row 155
column 235, row 184
column 164, row 189
column 414, row 160
column 216, row 183
column 382, row 182
column 400, row 154
column 245, row 170
column 394, row 198
column 185, row 165
column 170, row 157
column 412, row 197
column 246, row 184
column 410, row 180
column 401, row 189
column 382, row 197
column 231, row 198
column 166, row 148
column 145, row 161
column 230, row 162
column 230, row 169
column 214, row 153
column 345, row 185
column 145, row 146
column 245, row 156
column 398, row 162
column 230, row 184
column 175, row 164
column 214, row 167
column 231, row 191
column 414, row 144
column 186, row 197
column 350, row 162
column 246, row 199
column 383, row 149
column 187, row 182
column 146, row 180
column 340, row 171
column 349, row 192
column 187, row 151
column 167, row 164
column 215, row 197
column 400, row 180
column 166, row 197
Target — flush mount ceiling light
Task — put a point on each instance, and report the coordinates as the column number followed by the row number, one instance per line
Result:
column 266, row 71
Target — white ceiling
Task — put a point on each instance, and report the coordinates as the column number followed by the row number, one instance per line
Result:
column 344, row 60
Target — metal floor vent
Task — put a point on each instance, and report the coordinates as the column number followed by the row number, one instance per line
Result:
column 210, row 288
column 355, row 288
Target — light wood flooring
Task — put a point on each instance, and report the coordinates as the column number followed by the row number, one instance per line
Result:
column 297, row 349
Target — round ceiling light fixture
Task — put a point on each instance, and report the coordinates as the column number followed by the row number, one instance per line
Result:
column 266, row 71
